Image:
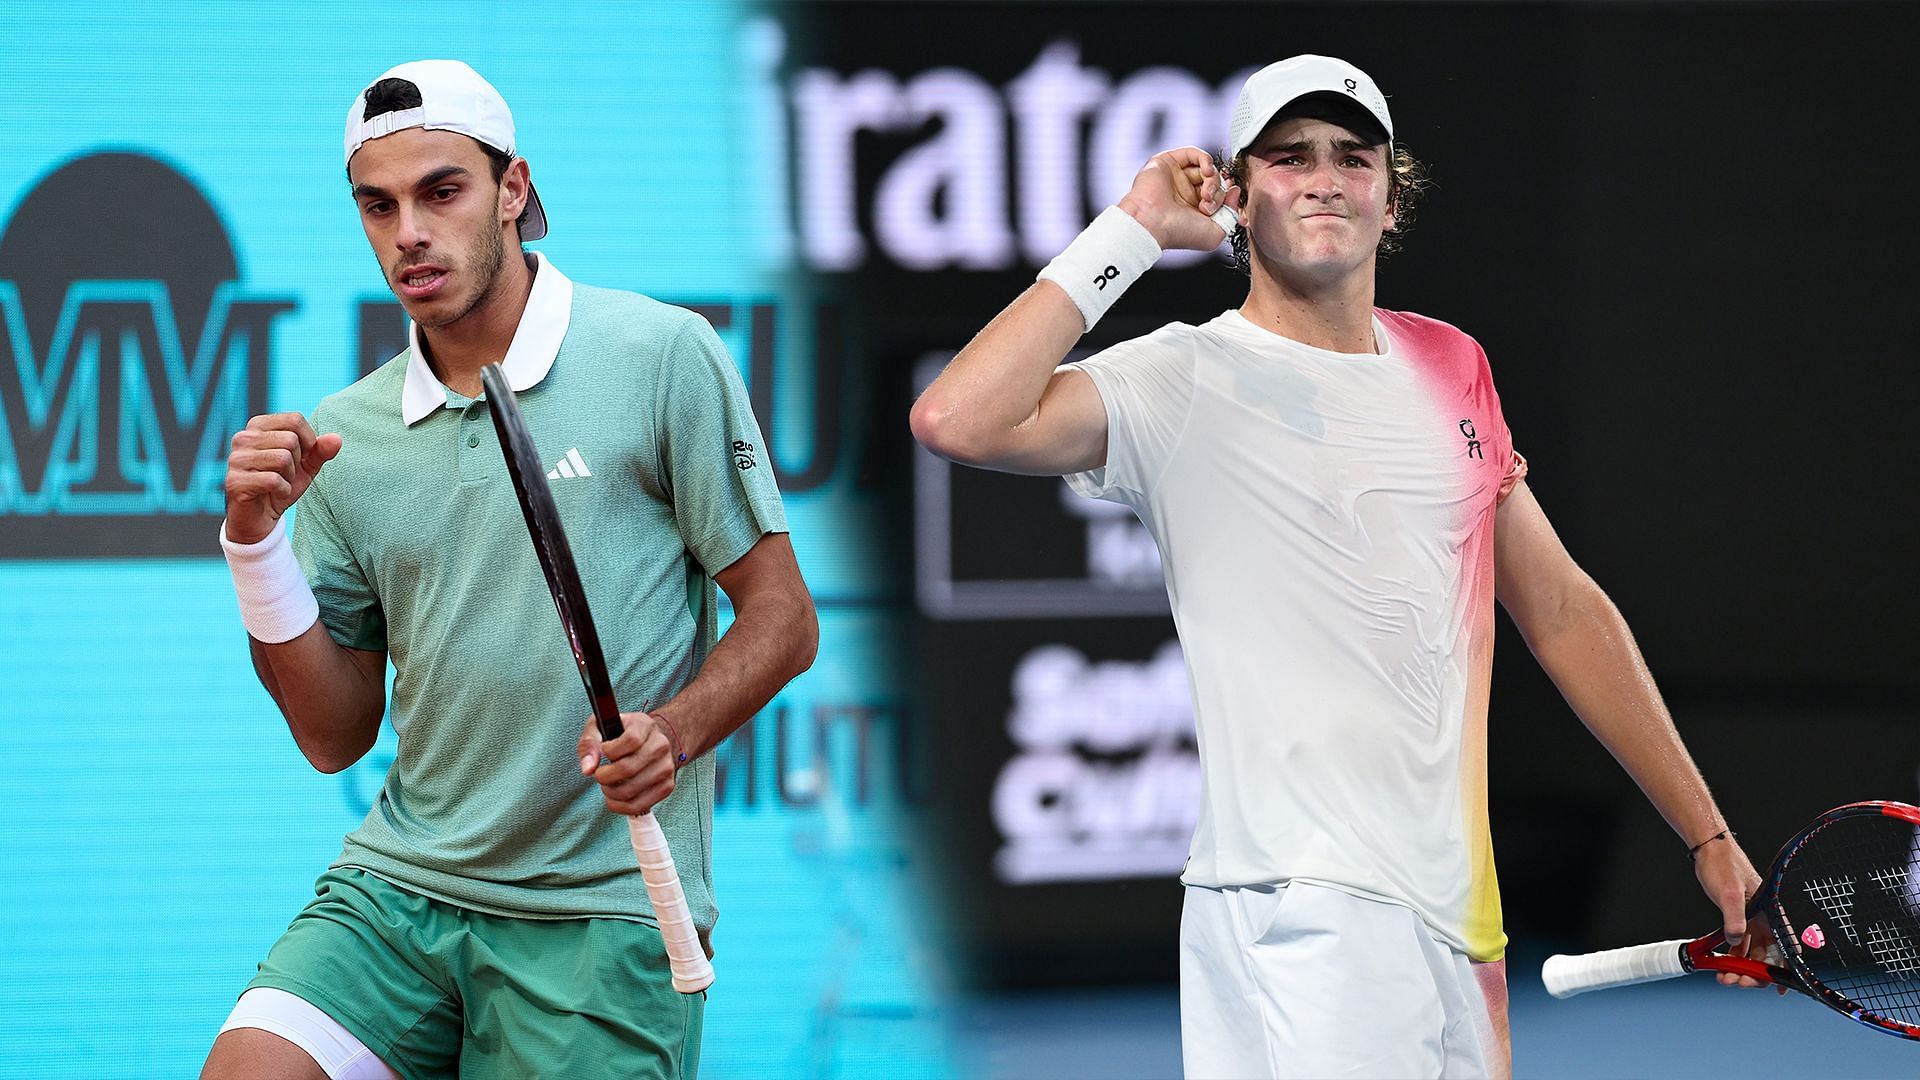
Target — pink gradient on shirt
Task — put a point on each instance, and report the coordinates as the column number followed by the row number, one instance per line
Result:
column 1460, row 384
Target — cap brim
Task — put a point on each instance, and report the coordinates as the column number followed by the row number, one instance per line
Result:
column 1335, row 108
column 533, row 220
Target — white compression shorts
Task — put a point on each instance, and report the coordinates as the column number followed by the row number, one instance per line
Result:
column 293, row 1018
column 1302, row 980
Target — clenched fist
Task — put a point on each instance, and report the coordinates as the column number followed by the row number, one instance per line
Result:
column 1174, row 196
column 274, row 460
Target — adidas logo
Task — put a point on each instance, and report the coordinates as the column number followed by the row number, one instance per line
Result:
column 570, row 466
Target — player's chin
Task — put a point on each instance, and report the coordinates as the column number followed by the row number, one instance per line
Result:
column 431, row 314
column 1330, row 259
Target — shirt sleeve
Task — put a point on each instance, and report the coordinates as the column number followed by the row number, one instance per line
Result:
column 717, row 472
column 1146, row 387
column 1516, row 472
column 349, row 607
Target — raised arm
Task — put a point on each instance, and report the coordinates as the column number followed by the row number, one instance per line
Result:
column 332, row 697
column 1001, row 404
column 1582, row 641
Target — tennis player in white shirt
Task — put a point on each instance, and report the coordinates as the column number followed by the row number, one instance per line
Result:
column 1338, row 503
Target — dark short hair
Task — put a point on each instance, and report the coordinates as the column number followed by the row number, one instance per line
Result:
column 396, row 95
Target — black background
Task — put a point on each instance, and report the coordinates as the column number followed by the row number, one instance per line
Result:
column 1682, row 235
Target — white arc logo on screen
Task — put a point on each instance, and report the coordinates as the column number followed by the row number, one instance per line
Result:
column 571, row 466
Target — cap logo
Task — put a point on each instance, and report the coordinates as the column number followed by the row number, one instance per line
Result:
column 1352, row 87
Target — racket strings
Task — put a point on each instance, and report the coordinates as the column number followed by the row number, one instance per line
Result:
column 1850, row 899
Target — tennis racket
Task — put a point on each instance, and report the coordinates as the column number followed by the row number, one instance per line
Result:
column 692, row 972
column 1843, row 900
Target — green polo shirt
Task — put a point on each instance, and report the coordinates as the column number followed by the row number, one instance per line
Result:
column 414, row 544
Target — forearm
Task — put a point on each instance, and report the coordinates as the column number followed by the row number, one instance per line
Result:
column 993, row 387
column 1590, row 654
column 768, row 644
column 332, row 705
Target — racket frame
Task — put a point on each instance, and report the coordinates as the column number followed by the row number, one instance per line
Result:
column 1699, row 955
column 692, row 972
column 1702, row 953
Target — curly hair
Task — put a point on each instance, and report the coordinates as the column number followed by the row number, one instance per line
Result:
column 1406, row 180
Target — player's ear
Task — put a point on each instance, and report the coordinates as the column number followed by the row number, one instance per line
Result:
column 515, row 184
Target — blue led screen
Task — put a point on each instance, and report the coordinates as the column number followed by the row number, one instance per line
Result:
column 177, row 251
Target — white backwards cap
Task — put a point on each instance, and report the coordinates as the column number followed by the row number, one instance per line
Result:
column 453, row 97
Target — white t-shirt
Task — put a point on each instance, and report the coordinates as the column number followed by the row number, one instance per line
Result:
column 1325, row 523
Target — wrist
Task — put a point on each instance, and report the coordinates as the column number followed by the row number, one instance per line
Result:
column 674, row 745
column 229, row 536
column 276, row 603
column 1138, row 211
column 1108, row 256
column 1694, row 851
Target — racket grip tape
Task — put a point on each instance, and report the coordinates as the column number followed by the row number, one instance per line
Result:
column 1566, row 976
column 692, row 971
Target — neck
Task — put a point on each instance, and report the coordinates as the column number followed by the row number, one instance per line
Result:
column 458, row 351
column 1336, row 316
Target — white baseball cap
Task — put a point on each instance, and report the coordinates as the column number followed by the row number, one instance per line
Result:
column 453, row 97
column 1277, row 86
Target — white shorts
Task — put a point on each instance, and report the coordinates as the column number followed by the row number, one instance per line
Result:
column 1302, row 980
column 293, row 1018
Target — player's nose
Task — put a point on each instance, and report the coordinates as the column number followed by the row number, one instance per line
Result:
column 410, row 230
column 1322, row 183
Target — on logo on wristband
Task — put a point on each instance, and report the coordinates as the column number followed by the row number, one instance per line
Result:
column 1116, row 249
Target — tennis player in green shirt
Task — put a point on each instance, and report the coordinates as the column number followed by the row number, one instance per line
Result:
column 488, row 918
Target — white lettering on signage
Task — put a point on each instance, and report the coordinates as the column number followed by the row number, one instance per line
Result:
column 1106, row 783
column 957, row 198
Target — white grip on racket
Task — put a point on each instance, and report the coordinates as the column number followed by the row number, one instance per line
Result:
column 692, row 972
column 1566, row 976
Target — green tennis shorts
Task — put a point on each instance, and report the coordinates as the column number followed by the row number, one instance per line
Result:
column 437, row 990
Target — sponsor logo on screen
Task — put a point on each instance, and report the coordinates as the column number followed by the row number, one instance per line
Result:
column 991, row 177
column 1106, row 779
column 129, row 356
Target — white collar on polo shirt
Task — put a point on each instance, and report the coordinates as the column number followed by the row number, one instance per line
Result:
column 536, row 341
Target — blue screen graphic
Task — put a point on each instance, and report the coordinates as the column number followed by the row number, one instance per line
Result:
column 177, row 249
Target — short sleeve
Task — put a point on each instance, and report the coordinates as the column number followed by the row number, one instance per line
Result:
column 1516, row 472
column 718, row 473
column 1146, row 387
column 349, row 607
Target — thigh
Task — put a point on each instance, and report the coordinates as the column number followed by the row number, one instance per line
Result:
column 1223, row 1032
column 362, row 953
column 1481, row 1045
column 574, row 997
column 274, row 1033
column 1334, row 985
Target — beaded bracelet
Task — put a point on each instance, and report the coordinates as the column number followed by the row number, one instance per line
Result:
column 673, row 739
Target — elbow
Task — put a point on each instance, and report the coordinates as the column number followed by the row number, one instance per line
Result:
column 335, row 750
column 331, row 760
column 937, row 426
column 329, row 765
column 807, row 641
column 1578, row 606
column 931, row 422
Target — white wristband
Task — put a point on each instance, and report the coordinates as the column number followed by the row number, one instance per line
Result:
column 1102, row 261
column 276, row 604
